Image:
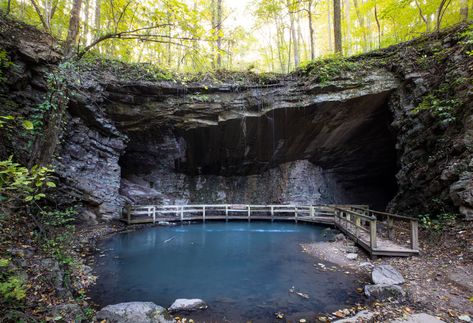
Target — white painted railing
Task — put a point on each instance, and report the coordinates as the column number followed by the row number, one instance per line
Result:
column 203, row 211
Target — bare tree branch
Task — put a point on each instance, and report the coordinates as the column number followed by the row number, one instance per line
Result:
column 119, row 35
column 40, row 15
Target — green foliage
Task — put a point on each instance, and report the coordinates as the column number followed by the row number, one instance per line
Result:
column 126, row 71
column 59, row 246
column 61, row 233
column 19, row 182
column 202, row 98
column 5, row 63
column 4, row 120
column 438, row 223
column 467, row 40
column 58, row 218
column 11, row 285
column 328, row 69
column 440, row 104
column 56, row 97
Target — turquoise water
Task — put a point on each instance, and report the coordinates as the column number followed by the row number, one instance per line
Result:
column 244, row 271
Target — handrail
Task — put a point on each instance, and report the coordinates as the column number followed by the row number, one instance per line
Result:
column 414, row 225
column 388, row 214
column 366, row 217
column 358, row 221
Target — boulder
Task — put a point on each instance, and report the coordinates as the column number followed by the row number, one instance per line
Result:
column 134, row 312
column 67, row 312
column 352, row 256
column 386, row 275
column 340, row 237
column 183, row 304
column 384, row 292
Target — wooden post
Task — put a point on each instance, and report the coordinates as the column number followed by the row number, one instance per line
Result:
column 203, row 213
column 128, row 211
column 226, row 213
column 390, row 227
column 272, row 213
column 295, row 213
column 414, row 235
column 312, row 211
column 357, row 225
column 154, row 214
column 182, row 213
column 373, row 236
column 249, row 213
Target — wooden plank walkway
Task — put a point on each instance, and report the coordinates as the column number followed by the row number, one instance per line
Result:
column 379, row 233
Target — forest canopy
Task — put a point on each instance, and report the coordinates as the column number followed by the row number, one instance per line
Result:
column 259, row 35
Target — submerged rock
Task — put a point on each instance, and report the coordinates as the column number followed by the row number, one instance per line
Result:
column 134, row 312
column 386, row 275
column 418, row 318
column 183, row 304
column 363, row 316
column 384, row 292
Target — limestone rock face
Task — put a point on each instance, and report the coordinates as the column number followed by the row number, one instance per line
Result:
column 354, row 140
column 386, row 275
column 134, row 312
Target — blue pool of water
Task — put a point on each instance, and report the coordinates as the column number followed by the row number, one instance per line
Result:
column 244, row 271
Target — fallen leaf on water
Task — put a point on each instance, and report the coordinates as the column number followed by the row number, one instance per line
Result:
column 303, row 295
column 339, row 314
column 279, row 315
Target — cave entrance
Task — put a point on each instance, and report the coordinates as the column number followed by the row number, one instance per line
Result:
column 328, row 152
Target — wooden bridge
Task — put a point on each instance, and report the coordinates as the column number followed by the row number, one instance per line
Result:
column 379, row 233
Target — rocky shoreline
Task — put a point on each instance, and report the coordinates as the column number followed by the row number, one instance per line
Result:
column 436, row 283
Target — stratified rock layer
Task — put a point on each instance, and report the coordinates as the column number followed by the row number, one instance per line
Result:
column 355, row 139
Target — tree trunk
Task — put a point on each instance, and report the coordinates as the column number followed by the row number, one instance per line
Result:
column 97, row 16
column 280, row 43
column 441, row 12
column 214, row 28
column 40, row 15
column 347, row 22
column 329, row 15
column 311, row 31
column 293, row 33
column 361, row 22
column 464, row 10
column 86, row 23
column 424, row 18
column 169, row 30
column 377, row 24
column 73, row 30
column 337, row 26
column 8, row 7
column 219, row 34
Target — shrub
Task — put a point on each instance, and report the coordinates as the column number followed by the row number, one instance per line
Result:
column 11, row 285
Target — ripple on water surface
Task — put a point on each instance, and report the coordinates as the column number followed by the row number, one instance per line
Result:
column 244, row 271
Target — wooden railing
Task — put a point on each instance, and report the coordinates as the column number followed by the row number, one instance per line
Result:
column 394, row 226
column 360, row 226
column 185, row 212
